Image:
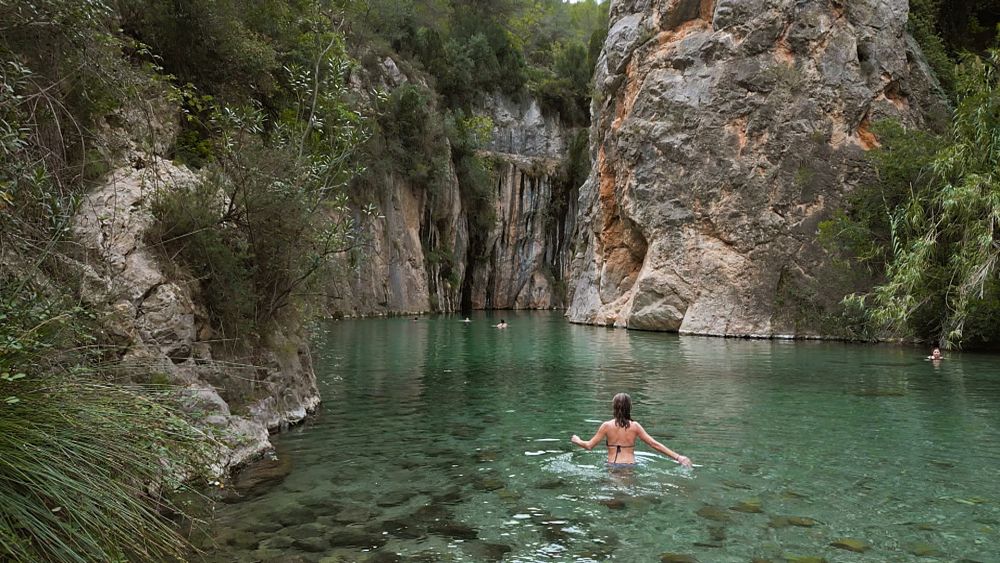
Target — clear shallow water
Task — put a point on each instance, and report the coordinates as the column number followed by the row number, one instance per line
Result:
column 445, row 441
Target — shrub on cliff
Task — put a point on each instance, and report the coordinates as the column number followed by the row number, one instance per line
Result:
column 945, row 29
column 932, row 223
column 81, row 457
column 271, row 209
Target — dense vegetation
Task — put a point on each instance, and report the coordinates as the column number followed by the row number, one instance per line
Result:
column 80, row 454
column 928, row 225
column 269, row 123
column 430, row 130
column 475, row 47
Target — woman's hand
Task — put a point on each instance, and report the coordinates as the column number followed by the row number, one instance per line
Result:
column 683, row 460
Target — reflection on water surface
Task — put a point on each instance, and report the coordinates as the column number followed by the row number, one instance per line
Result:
column 447, row 441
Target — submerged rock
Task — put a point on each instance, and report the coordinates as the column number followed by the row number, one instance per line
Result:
column 551, row 484
column 850, row 544
column 351, row 537
column 802, row 521
column 310, row 530
column 486, row 551
column 455, row 530
column 384, row 557
column 735, row 485
column 354, row 514
column 488, row 484
column 677, row 558
column 509, row 495
column 258, row 477
column 394, row 498
column 239, row 539
column 294, row 515
column 922, row 549
column 311, row 544
column 404, row 529
column 714, row 513
column 277, row 543
column 750, row 506
column 451, row 495
column 614, row 503
column 485, row 456
column 786, row 521
column 793, row 495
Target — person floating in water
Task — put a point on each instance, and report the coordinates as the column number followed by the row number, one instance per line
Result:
column 935, row 354
column 501, row 324
column 620, row 434
column 466, row 320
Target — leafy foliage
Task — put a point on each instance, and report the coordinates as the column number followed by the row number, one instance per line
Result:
column 471, row 47
column 931, row 223
column 945, row 29
column 77, row 459
column 81, row 459
column 272, row 209
column 81, row 455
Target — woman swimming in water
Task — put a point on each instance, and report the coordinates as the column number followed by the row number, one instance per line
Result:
column 620, row 434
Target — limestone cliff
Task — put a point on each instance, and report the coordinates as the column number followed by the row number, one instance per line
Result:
column 525, row 264
column 418, row 256
column 724, row 132
column 163, row 332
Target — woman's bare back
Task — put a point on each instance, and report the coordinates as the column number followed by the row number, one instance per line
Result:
column 621, row 442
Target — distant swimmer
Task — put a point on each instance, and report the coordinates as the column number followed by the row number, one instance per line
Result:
column 501, row 324
column 935, row 355
column 620, row 434
column 466, row 320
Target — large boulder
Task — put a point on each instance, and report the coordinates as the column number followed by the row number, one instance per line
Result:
column 724, row 133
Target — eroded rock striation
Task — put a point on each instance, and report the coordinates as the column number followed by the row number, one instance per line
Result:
column 154, row 315
column 724, row 132
column 419, row 255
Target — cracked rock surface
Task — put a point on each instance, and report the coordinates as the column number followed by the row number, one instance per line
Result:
column 164, row 332
column 724, row 133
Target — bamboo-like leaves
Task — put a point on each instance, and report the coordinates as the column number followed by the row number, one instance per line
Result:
column 943, row 270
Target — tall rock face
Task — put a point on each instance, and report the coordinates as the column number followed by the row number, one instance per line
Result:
column 724, row 132
column 525, row 266
column 419, row 256
column 412, row 260
column 153, row 310
column 525, row 263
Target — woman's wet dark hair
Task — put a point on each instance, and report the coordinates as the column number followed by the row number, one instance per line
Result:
column 622, row 405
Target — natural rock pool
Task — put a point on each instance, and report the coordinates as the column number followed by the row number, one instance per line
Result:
column 446, row 441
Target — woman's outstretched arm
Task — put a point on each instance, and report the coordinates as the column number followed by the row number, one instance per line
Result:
column 645, row 437
column 602, row 431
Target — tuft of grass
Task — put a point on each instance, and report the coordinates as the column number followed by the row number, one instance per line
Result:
column 81, row 468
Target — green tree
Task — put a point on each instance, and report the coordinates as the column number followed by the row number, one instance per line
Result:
column 945, row 29
column 934, row 220
column 283, row 211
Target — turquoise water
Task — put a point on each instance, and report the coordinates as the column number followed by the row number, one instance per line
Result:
column 445, row 441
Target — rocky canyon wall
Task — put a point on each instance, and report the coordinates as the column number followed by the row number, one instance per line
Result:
column 724, row 132
column 418, row 256
column 152, row 308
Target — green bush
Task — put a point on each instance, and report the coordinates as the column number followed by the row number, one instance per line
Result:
column 945, row 30
column 79, row 457
column 272, row 209
column 930, row 224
